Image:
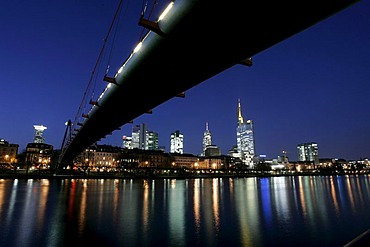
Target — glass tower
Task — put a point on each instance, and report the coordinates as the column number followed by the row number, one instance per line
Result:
column 308, row 152
column 207, row 139
column 177, row 142
column 245, row 139
column 139, row 134
column 152, row 140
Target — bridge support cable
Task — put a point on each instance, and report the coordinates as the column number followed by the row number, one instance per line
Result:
column 83, row 102
column 146, row 20
column 62, row 148
column 89, row 87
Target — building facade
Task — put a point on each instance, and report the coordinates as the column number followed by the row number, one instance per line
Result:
column 39, row 134
column 152, row 140
column 8, row 152
column 177, row 142
column 139, row 136
column 127, row 142
column 38, row 156
column 308, row 152
column 142, row 138
column 245, row 139
column 212, row 150
column 207, row 139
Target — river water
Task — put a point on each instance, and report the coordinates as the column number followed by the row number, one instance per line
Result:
column 274, row 211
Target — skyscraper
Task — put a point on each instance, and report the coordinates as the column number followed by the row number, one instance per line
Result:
column 139, row 136
column 39, row 131
column 177, row 142
column 127, row 142
column 308, row 152
column 207, row 139
column 152, row 140
column 245, row 139
column 144, row 139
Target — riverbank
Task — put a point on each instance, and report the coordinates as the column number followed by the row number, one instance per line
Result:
column 160, row 176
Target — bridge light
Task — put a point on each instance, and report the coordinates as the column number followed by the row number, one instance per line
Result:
column 137, row 48
column 120, row 69
column 165, row 11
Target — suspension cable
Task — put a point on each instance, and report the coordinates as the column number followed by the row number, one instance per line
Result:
column 113, row 41
column 98, row 60
column 150, row 14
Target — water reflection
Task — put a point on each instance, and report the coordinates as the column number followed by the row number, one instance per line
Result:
column 195, row 212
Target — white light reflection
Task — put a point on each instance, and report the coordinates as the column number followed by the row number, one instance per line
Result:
column 82, row 214
column 42, row 202
column 350, row 193
column 196, row 198
column 333, row 195
column 215, row 203
column 12, row 200
column 246, row 202
column 27, row 216
column 177, row 211
column 145, row 205
column 281, row 198
column 55, row 232
column 359, row 189
column 303, row 197
column 130, row 209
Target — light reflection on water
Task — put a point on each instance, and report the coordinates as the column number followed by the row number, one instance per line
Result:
column 276, row 211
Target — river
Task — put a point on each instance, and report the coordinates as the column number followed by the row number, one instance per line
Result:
column 254, row 211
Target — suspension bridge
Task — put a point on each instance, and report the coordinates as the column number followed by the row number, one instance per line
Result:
column 190, row 42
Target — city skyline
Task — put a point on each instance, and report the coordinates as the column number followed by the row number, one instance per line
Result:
column 176, row 141
column 312, row 87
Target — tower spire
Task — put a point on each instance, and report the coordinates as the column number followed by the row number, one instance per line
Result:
column 240, row 117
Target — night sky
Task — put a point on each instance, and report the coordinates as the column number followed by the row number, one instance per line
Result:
column 312, row 87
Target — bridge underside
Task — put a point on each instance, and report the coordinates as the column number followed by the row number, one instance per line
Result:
column 197, row 40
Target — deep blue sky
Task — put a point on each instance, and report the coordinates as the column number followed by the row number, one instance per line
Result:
column 312, row 87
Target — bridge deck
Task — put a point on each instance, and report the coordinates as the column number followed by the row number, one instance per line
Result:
column 197, row 40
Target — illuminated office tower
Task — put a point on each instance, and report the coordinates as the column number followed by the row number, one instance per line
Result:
column 308, row 152
column 127, row 142
column 152, row 140
column 39, row 131
column 245, row 139
column 177, row 142
column 139, row 133
column 207, row 139
column 143, row 139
